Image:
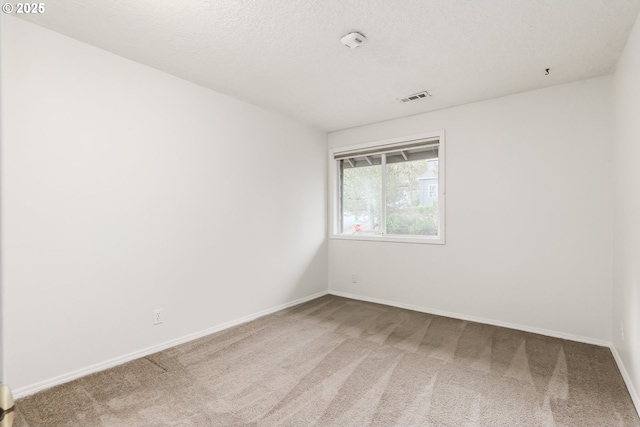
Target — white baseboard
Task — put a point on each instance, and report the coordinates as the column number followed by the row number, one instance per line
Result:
column 555, row 334
column 627, row 379
column 33, row 388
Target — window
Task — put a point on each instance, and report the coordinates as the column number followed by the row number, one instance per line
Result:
column 389, row 190
column 433, row 191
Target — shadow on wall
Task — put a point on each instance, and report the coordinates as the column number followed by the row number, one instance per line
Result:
column 313, row 278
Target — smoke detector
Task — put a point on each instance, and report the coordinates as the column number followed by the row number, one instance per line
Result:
column 353, row 40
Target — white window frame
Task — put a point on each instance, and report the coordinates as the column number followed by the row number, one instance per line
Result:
column 388, row 143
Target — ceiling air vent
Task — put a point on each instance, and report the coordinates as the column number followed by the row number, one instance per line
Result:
column 416, row 96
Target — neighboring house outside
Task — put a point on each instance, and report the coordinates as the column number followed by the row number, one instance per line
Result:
column 429, row 184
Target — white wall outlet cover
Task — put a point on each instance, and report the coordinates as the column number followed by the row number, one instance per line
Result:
column 157, row 316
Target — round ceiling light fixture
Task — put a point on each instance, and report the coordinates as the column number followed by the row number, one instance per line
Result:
column 353, row 40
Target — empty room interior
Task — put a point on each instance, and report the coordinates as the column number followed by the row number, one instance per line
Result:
column 322, row 213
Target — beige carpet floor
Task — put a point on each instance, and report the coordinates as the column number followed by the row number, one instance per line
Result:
column 339, row 362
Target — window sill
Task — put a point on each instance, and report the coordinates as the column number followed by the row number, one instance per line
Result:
column 393, row 239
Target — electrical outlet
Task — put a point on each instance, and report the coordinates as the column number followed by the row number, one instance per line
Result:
column 157, row 316
column 622, row 331
column 354, row 278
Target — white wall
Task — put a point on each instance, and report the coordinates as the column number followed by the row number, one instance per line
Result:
column 529, row 236
column 125, row 189
column 626, row 164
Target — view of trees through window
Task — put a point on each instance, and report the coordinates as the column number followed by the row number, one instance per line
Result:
column 410, row 207
column 361, row 200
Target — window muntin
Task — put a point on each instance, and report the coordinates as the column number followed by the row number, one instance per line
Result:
column 390, row 191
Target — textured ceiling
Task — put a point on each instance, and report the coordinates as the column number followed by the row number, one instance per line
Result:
column 286, row 55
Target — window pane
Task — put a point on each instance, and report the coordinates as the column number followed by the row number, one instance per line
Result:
column 361, row 204
column 412, row 198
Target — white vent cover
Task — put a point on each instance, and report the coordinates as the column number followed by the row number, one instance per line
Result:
column 416, row 96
